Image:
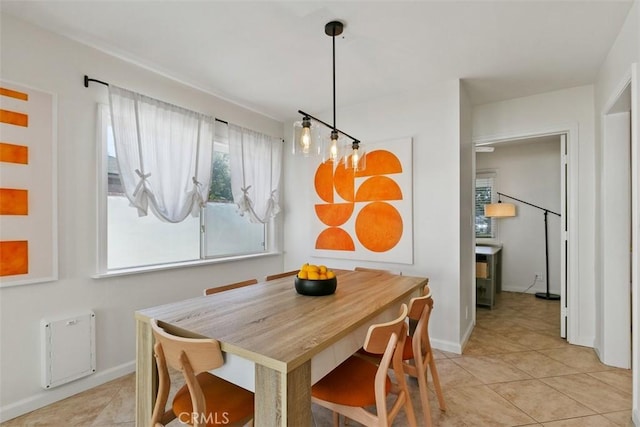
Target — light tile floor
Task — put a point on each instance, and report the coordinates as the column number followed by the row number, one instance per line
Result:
column 515, row 371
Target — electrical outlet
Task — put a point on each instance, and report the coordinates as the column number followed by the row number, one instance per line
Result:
column 539, row 277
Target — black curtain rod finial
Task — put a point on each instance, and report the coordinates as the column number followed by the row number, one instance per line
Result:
column 87, row 80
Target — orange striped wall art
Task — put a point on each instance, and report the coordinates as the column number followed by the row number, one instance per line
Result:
column 28, row 237
column 14, row 201
column 14, row 94
column 13, row 153
column 14, row 118
column 14, row 257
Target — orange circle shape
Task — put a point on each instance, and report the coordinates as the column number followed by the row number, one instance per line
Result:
column 324, row 181
column 379, row 226
column 334, row 214
column 378, row 188
column 335, row 239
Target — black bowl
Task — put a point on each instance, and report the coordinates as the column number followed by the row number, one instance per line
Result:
column 316, row 288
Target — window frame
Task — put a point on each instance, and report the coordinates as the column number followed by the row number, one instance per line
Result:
column 102, row 270
column 484, row 174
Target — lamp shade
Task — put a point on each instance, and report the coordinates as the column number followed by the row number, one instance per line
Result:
column 333, row 146
column 306, row 138
column 355, row 157
column 499, row 210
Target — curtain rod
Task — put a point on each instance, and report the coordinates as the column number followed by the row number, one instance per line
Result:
column 87, row 80
column 527, row 203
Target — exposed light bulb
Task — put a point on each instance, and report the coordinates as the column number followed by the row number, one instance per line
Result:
column 354, row 159
column 333, row 150
column 305, row 139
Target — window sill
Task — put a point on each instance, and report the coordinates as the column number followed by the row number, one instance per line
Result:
column 195, row 263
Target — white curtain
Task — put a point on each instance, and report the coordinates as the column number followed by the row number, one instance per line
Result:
column 164, row 154
column 256, row 160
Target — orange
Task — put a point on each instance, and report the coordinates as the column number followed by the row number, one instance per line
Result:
column 313, row 275
column 323, row 269
column 313, row 268
column 302, row 275
column 323, row 277
column 330, row 274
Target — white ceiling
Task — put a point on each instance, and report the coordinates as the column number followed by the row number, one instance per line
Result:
column 273, row 56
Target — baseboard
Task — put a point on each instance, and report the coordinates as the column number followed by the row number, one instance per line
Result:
column 47, row 397
column 539, row 288
column 635, row 417
column 448, row 346
column 466, row 336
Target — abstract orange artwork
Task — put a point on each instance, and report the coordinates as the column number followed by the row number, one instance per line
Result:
column 28, row 238
column 367, row 214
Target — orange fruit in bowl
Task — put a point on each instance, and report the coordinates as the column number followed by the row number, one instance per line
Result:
column 313, row 275
column 303, row 274
column 330, row 274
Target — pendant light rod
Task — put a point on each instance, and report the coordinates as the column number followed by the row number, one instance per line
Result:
column 327, row 125
column 333, row 27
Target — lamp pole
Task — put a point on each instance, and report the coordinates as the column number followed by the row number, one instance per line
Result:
column 544, row 295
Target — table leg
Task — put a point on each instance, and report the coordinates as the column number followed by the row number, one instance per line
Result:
column 283, row 399
column 146, row 373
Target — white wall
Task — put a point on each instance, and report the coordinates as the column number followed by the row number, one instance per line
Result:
column 467, row 219
column 40, row 59
column 529, row 171
column 537, row 114
column 615, row 71
column 431, row 118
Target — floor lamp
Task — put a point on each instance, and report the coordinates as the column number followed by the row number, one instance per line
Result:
column 503, row 210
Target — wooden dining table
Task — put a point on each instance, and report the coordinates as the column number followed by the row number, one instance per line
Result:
column 290, row 340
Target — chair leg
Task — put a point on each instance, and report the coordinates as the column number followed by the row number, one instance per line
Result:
column 436, row 383
column 424, row 396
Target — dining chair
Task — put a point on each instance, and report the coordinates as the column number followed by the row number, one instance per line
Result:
column 285, row 274
column 228, row 287
column 358, row 383
column 215, row 400
column 417, row 355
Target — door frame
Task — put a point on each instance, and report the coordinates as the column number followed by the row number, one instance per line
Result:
column 570, row 310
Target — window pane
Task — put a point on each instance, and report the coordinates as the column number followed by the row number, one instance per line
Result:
column 485, row 182
column 228, row 233
column 483, row 224
column 135, row 241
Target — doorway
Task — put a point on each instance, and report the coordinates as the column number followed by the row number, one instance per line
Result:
column 531, row 172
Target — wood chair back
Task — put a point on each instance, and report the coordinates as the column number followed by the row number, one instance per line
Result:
column 215, row 290
column 279, row 275
column 194, row 357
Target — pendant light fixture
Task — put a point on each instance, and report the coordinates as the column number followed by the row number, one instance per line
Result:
column 307, row 131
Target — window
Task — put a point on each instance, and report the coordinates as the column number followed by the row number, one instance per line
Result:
column 130, row 241
column 485, row 227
